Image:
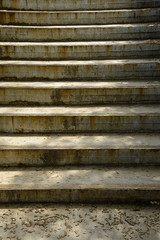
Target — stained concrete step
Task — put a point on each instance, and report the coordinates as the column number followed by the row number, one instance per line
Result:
column 80, row 32
column 79, row 17
column 80, row 70
column 130, row 118
column 78, row 93
column 82, row 149
column 79, row 50
column 80, row 184
column 76, row 5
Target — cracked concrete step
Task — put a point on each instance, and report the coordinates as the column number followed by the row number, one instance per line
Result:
column 79, row 17
column 78, row 93
column 79, row 50
column 80, row 70
column 49, row 150
column 80, row 32
column 129, row 118
column 77, row 5
column 80, row 184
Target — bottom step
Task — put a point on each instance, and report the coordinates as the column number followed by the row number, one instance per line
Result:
column 80, row 184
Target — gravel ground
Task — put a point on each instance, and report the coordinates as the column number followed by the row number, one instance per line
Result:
column 82, row 222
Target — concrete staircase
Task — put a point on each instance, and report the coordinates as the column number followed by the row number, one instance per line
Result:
column 80, row 101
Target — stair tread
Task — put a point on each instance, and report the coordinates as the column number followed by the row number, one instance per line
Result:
column 92, row 141
column 77, row 11
column 80, row 177
column 81, row 85
column 81, row 43
column 84, row 26
column 80, row 62
column 109, row 110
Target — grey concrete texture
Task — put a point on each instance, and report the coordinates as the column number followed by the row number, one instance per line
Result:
column 80, row 185
column 51, row 150
column 80, row 70
column 140, row 118
column 79, row 141
column 79, row 17
column 78, row 93
column 79, row 50
column 134, row 31
column 80, row 175
column 76, row 5
column 70, row 222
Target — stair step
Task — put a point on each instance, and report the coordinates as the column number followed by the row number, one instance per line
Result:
column 78, row 93
column 79, row 50
column 49, row 150
column 89, row 73
column 76, row 5
column 80, row 184
column 80, row 32
column 80, row 119
column 80, row 70
column 79, row 17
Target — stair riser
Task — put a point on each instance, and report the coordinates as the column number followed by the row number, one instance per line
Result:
column 111, row 156
column 80, row 71
column 94, row 51
column 72, row 194
column 111, row 32
column 77, row 5
column 32, row 97
column 79, row 124
column 75, row 18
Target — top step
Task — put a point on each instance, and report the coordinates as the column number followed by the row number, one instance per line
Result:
column 76, row 5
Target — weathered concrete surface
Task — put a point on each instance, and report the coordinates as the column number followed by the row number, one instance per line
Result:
column 70, row 222
column 77, row 93
column 78, row 141
column 79, row 50
column 94, row 193
column 82, row 111
column 79, row 17
column 139, row 118
column 120, row 182
column 74, row 175
column 113, row 149
column 80, row 70
column 80, row 184
column 77, row 5
column 80, row 32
